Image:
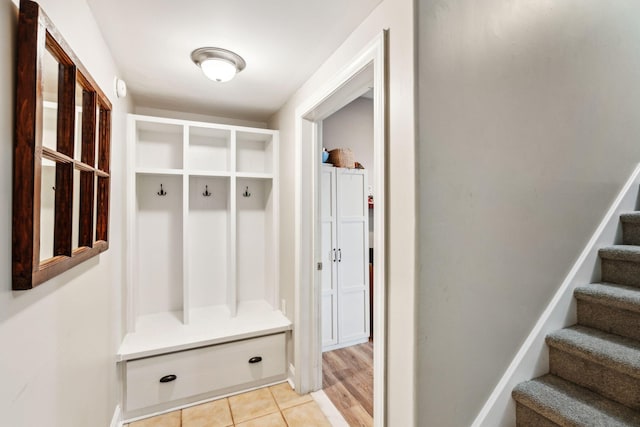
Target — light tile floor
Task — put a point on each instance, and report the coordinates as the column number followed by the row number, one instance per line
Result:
column 275, row 406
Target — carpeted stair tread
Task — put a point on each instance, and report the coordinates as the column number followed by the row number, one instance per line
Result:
column 610, row 294
column 630, row 222
column 567, row 404
column 620, row 253
column 630, row 217
column 615, row 352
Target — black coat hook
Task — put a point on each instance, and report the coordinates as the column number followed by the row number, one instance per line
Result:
column 206, row 191
column 162, row 192
column 246, row 193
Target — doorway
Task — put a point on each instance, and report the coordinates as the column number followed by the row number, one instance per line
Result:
column 346, row 234
column 365, row 72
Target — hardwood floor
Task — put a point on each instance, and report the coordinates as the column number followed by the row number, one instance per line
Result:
column 347, row 379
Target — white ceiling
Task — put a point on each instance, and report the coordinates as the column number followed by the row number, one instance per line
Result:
column 282, row 41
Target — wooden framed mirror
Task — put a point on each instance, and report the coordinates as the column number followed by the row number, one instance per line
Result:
column 61, row 163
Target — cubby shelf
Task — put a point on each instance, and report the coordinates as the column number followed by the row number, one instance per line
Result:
column 158, row 171
column 254, row 175
column 203, row 235
column 208, row 173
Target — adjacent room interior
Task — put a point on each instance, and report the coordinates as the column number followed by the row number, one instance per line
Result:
column 347, row 246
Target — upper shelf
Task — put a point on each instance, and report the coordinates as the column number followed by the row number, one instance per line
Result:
column 209, row 149
column 254, row 152
column 169, row 146
column 159, row 145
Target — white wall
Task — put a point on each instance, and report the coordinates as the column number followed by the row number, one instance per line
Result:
column 397, row 15
column 159, row 112
column 529, row 116
column 59, row 339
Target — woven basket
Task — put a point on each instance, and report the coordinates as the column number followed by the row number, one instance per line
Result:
column 342, row 158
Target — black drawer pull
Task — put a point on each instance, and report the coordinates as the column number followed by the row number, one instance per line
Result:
column 256, row 359
column 168, row 378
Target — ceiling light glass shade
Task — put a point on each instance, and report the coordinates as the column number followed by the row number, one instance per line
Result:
column 219, row 70
column 218, row 64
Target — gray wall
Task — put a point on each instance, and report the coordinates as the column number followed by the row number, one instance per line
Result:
column 529, row 117
column 352, row 127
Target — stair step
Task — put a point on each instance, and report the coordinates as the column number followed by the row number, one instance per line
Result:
column 566, row 404
column 620, row 253
column 610, row 294
column 604, row 363
column 630, row 228
column 632, row 217
column 610, row 308
column 622, row 354
column 620, row 264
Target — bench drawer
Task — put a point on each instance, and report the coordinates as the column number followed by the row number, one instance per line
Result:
column 175, row 376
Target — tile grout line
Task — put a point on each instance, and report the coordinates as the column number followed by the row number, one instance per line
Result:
column 278, row 406
column 233, row 421
column 260, row 416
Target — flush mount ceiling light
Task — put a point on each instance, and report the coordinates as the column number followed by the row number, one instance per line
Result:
column 218, row 64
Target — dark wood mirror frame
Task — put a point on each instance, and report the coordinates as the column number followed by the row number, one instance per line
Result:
column 37, row 34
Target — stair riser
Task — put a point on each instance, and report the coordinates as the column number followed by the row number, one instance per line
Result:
column 630, row 233
column 526, row 417
column 608, row 319
column 621, row 272
column 598, row 378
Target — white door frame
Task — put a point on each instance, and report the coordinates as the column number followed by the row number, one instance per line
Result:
column 365, row 70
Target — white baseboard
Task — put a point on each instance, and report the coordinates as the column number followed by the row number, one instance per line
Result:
column 345, row 344
column 532, row 360
column 328, row 409
column 292, row 376
column 116, row 420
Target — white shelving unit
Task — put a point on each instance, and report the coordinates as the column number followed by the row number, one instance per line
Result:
column 202, row 268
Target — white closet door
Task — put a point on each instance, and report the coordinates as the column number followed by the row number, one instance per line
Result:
column 353, row 244
column 329, row 265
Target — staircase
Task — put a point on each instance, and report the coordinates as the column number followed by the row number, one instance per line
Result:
column 594, row 366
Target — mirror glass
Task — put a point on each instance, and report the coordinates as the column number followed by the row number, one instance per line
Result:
column 50, row 100
column 97, row 135
column 47, row 203
column 49, row 138
column 77, row 150
column 76, row 210
column 95, row 207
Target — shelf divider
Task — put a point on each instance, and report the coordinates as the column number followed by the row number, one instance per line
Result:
column 186, row 301
column 232, row 291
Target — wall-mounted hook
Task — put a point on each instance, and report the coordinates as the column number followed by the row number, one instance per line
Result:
column 246, row 193
column 162, row 192
column 206, row 191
